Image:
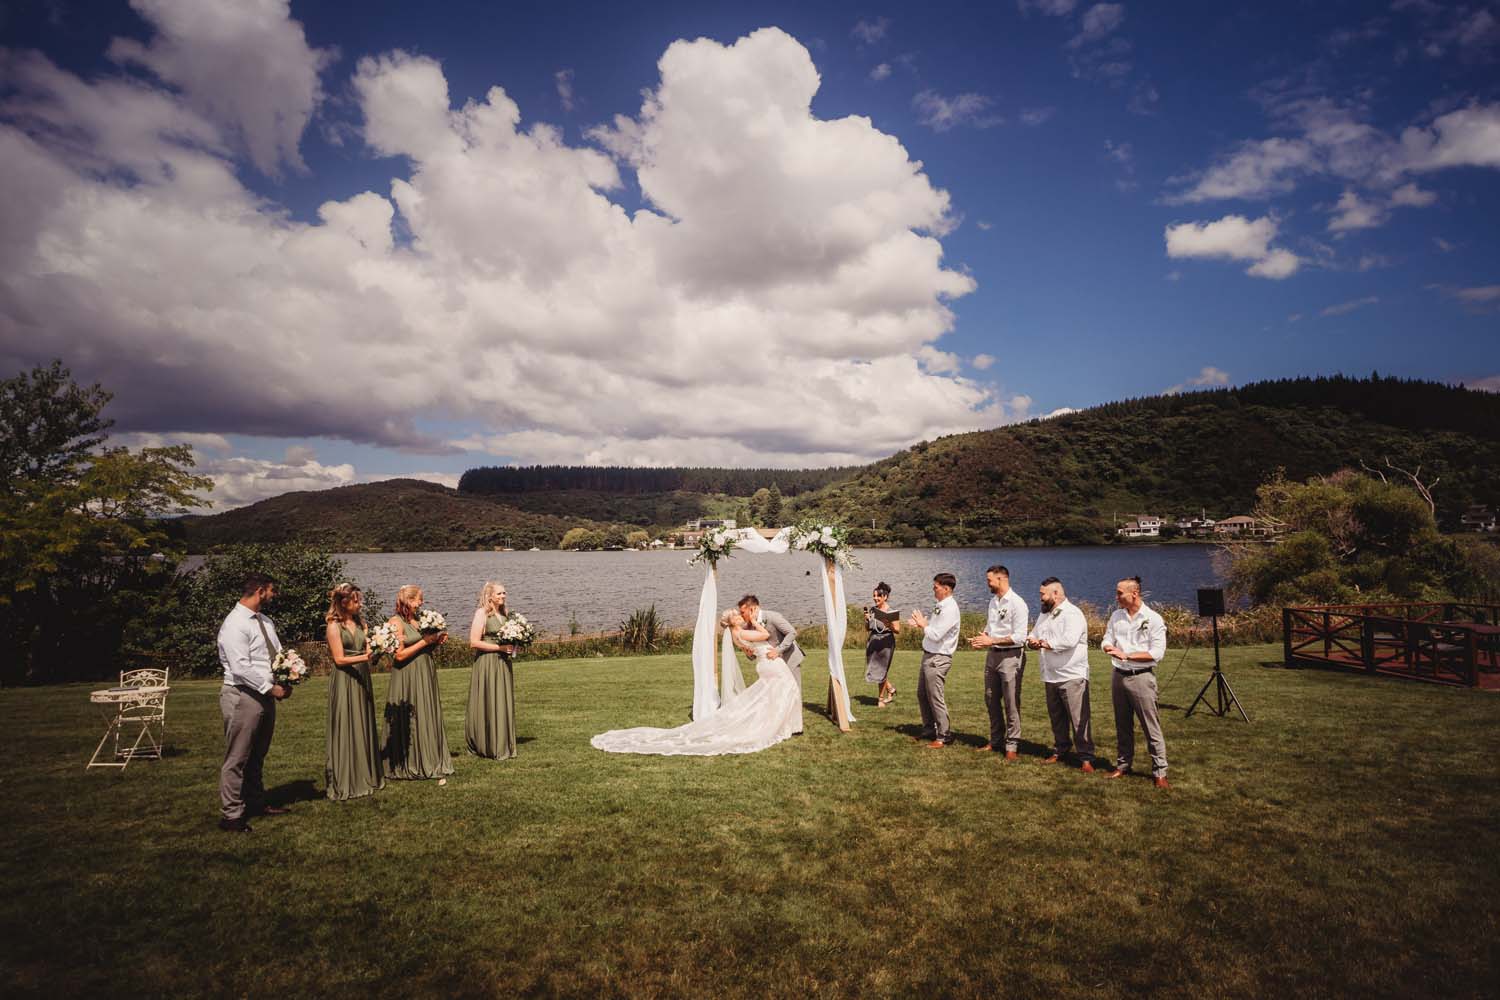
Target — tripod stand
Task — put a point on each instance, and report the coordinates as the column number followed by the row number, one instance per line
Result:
column 1223, row 693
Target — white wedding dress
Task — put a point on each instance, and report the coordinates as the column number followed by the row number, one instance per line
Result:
column 762, row 715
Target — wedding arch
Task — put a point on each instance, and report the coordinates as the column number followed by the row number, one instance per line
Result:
column 828, row 542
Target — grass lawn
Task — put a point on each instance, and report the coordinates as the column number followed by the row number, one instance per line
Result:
column 1344, row 843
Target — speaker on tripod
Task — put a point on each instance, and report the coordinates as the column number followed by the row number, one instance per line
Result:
column 1211, row 606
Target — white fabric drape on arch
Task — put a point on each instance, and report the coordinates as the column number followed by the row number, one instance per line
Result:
column 709, row 697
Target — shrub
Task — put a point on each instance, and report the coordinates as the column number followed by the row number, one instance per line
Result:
column 187, row 623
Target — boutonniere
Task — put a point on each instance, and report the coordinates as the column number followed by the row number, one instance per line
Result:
column 1144, row 626
column 1056, row 612
column 935, row 609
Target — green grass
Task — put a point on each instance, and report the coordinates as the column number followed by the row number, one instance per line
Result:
column 1344, row 843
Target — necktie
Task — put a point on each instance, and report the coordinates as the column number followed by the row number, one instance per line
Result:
column 271, row 648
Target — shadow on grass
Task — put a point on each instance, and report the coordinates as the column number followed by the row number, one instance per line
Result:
column 303, row 790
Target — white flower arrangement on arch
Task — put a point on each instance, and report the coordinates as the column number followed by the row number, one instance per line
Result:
column 713, row 545
column 831, row 541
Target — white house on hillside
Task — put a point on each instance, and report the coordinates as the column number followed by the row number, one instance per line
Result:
column 1140, row 526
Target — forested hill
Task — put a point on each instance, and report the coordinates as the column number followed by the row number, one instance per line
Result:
column 1065, row 478
column 396, row 515
column 635, row 481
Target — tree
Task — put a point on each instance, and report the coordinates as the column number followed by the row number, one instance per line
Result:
column 638, row 539
column 1350, row 538
column 773, row 507
column 84, row 544
column 582, row 539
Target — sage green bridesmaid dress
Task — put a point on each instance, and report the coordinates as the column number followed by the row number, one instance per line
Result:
column 415, row 744
column 490, row 723
column 353, row 767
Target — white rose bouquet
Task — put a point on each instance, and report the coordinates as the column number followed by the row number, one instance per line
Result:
column 382, row 639
column 713, row 545
column 431, row 621
column 288, row 668
column 831, row 541
column 517, row 631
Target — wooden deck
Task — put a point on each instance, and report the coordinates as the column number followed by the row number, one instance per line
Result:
column 1452, row 643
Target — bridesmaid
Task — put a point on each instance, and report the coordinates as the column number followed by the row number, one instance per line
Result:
column 490, row 724
column 353, row 767
column 415, row 744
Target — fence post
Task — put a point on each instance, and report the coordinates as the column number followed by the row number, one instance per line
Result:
column 1286, row 635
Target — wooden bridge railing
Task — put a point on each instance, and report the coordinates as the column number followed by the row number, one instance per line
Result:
column 1450, row 642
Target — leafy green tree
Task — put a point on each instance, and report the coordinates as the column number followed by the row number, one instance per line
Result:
column 582, row 539
column 773, row 511
column 1353, row 538
column 84, row 540
column 638, row 539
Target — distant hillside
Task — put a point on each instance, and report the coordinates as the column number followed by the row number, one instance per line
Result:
column 1057, row 480
column 1063, row 479
column 398, row 514
column 608, row 479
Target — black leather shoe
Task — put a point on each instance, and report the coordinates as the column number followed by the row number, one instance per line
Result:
column 274, row 810
column 234, row 825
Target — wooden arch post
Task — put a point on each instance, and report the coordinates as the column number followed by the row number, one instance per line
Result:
column 836, row 694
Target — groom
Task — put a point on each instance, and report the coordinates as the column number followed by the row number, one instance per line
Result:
column 783, row 640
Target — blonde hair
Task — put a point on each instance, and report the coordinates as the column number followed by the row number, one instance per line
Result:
column 487, row 596
column 404, row 597
column 338, row 605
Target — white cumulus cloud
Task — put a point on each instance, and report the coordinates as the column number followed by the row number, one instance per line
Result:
column 1207, row 377
column 1234, row 237
column 782, row 286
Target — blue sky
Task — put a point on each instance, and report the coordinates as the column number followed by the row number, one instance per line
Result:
column 1036, row 206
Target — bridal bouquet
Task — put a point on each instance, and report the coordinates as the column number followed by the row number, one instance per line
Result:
column 430, row 621
column 715, row 544
column 288, row 668
column 517, row 631
column 382, row 639
column 831, row 541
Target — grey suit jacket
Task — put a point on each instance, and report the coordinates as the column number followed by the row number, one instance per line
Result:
column 783, row 637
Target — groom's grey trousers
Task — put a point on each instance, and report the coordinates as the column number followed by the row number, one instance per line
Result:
column 931, row 677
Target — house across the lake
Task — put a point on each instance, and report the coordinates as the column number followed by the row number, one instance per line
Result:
column 1479, row 518
column 1196, row 527
column 1140, row 526
column 1241, row 526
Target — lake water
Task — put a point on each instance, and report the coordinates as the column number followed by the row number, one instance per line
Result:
column 602, row 588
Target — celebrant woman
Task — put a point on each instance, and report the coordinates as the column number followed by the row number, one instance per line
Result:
column 353, row 766
column 490, row 722
column 415, row 744
column 884, row 625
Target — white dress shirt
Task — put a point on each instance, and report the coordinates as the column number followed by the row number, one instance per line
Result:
column 242, row 649
column 1145, row 632
column 1007, row 617
column 941, row 633
column 1067, row 631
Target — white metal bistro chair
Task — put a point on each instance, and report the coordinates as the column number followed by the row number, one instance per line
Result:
column 138, row 708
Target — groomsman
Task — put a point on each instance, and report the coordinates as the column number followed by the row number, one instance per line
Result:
column 939, row 641
column 1004, row 636
column 1136, row 640
column 247, row 646
column 1062, row 634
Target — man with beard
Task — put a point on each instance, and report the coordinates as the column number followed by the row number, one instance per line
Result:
column 1062, row 634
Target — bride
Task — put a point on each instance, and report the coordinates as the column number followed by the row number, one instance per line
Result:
column 757, row 717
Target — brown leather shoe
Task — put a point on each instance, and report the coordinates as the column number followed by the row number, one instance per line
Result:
column 936, row 745
column 1011, row 755
column 1086, row 768
column 1160, row 782
column 987, row 748
column 1051, row 760
column 1117, row 773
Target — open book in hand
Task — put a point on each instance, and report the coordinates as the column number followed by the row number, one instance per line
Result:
column 885, row 616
